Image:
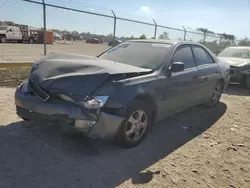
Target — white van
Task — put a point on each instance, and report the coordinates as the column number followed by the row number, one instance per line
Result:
column 10, row 33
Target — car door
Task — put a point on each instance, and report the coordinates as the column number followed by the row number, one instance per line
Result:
column 10, row 33
column 180, row 87
column 18, row 33
column 208, row 71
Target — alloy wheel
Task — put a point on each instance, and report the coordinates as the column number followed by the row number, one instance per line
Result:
column 136, row 125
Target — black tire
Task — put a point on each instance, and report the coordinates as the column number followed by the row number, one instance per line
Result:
column 25, row 119
column 135, row 107
column 20, row 41
column 31, row 40
column 3, row 39
column 245, row 81
column 215, row 98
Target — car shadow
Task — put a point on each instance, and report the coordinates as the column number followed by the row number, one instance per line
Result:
column 38, row 154
column 237, row 89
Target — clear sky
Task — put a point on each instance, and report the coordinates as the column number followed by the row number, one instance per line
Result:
column 230, row 16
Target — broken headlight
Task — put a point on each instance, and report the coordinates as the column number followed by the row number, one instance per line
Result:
column 95, row 102
column 89, row 102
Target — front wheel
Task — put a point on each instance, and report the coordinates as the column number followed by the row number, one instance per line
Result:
column 3, row 39
column 31, row 40
column 135, row 126
column 245, row 81
column 215, row 99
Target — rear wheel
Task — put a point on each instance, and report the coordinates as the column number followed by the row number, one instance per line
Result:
column 245, row 81
column 3, row 39
column 215, row 99
column 31, row 40
column 25, row 119
column 135, row 126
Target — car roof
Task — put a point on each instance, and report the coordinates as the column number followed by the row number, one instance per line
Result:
column 240, row 47
column 173, row 42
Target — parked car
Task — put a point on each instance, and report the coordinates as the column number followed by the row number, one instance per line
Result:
column 238, row 58
column 124, row 91
column 94, row 40
column 114, row 42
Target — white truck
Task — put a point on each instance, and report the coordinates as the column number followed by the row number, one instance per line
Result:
column 19, row 34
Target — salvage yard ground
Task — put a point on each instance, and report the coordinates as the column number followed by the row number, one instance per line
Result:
column 200, row 147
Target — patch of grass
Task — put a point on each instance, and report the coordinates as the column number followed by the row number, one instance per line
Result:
column 14, row 76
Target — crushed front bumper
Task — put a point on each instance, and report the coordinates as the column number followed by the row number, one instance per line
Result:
column 236, row 73
column 95, row 125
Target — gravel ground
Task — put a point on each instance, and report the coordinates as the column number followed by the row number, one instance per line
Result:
column 200, row 147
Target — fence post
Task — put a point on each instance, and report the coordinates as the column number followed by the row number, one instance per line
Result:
column 204, row 40
column 185, row 32
column 155, row 28
column 220, row 40
column 114, row 24
column 44, row 28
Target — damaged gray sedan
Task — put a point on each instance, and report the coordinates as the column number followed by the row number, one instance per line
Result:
column 124, row 91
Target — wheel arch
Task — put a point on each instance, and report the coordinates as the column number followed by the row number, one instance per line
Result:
column 222, row 81
column 148, row 99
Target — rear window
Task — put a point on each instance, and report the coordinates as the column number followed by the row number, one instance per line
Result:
column 235, row 53
column 141, row 54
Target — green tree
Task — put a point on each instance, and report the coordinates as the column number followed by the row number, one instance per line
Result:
column 205, row 31
column 164, row 35
column 143, row 36
column 244, row 42
column 110, row 35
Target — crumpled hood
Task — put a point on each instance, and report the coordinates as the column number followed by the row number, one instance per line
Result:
column 237, row 62
column 77, row 74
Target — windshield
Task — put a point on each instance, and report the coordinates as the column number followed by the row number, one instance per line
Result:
column 141, row 54
column 3, row 28
column 235, row 53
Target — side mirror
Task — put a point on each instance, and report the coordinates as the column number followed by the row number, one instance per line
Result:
column 177, row 67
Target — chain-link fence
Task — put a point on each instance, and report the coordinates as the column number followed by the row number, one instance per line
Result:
column 65, row 26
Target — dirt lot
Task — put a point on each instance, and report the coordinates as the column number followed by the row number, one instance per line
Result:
column 29, row 52
column 197, row 148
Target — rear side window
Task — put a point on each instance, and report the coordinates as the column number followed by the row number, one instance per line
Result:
column 201, row 56
column 184, row 54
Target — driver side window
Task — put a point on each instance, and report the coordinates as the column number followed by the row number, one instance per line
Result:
column 184, row 54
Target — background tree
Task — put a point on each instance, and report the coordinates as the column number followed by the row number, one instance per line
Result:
column 205, row 31
column 164, row 35
column 226, row 39
column 244, row 42
column 143, row 36
column 110, row 35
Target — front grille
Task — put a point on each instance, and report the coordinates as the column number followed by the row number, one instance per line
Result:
column 38, row 91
